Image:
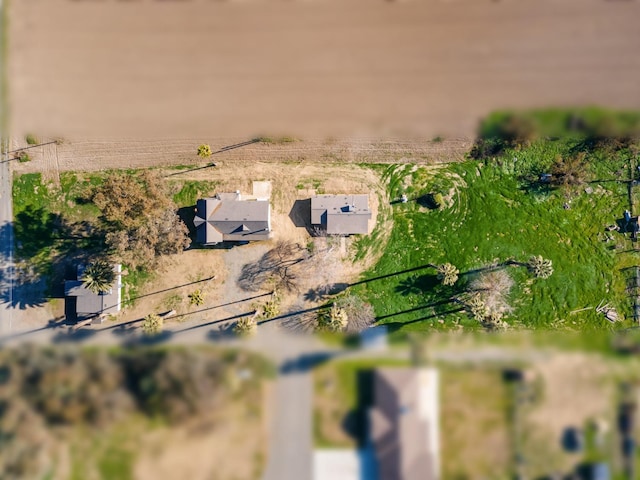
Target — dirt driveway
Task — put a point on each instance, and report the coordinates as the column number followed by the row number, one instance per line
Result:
column 180, row 275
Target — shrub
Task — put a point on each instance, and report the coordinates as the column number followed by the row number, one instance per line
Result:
column 24, row 157
column 31, row 139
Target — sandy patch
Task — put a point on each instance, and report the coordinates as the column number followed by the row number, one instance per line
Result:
column 231, row 444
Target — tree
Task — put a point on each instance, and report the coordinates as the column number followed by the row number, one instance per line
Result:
column 140, row 219
column 128, row 201
column 448, row 274
column 335, row 320
column 489, row 317
column 204, row 151
column 99, row 276
column 540, row 267
column 271, row 307
column 152, row 324
column 360, row 314
column 494, row 288
column 246, row 327
column 568, row 171
column 196, row 298
column 476, row 307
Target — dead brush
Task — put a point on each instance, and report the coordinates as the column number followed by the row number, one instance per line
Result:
column 494, row 288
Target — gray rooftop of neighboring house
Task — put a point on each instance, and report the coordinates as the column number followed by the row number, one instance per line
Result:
column 341, row 214
column 89, row 304
column 402, row 428
column 226, row 217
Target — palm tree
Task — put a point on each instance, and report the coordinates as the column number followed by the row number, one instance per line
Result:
column 477, row 307
column 152, row 324
column 447, row 273
column 196, row 298
column 336, row 320
column 204, row 151
column 99, row 276
column 245, row 327
column 540, row 267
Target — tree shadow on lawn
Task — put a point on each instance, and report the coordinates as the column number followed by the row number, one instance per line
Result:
column 395, row 326
column 48, row 248
column 417, row 284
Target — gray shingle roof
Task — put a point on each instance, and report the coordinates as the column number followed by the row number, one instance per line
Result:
column 341, row 214
column 229, row 218
column 400, row 426
column 88, row 303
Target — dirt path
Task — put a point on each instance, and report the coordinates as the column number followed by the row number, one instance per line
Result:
column 93, row 155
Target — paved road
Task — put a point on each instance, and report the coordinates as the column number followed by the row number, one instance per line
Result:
column 6, row 217
column 6, row 245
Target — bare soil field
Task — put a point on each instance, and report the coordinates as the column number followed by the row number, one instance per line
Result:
column 354, row 68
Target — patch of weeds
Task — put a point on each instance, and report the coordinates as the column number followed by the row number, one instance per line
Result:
column 23, row 157
column 132, row 283
column 276, row 140
column 172, row 301
column 191, row 191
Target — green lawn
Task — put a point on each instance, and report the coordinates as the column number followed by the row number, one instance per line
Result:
column 56, row 223
column 342, row 389
column 492, row 214
column 188, row 192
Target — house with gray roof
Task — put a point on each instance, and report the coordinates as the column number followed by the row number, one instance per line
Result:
column 341, row 214
column 404, row 424
column 227, row 217
column 89, row 304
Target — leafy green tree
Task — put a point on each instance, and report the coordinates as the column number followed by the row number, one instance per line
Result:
column 130, row 200
column 99, row 276
column 140, row 219
column 152, row 324
column 204, row 151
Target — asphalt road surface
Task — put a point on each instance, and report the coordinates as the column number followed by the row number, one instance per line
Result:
column 6, row 244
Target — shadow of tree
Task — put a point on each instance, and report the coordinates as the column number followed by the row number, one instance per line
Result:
column 46, row 244
column 305, row 362
column 280, row 263
column 323, row 292
column 416, row 284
